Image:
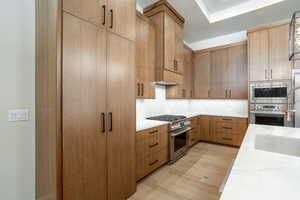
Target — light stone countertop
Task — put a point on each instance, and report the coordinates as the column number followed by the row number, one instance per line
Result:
column 263, row 175
column 143, row 124
column 146, row 124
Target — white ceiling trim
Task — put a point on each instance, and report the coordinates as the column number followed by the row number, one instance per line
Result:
column 219, row 41
column 240, row 9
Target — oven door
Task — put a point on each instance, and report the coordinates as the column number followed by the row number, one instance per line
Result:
column 269, row 119
column 178, row 143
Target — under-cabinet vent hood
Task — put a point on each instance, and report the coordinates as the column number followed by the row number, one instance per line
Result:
column 165, row 83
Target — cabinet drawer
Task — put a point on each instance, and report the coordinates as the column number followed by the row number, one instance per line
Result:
column 150, row 141
column 227, row 138
column 233, row 119
column 150, row 163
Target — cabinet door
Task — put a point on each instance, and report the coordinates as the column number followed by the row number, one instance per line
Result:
column 121, row 117
column 238, row 72
column 145, row 58
column 170, row 43
column 258, row 47
column 280, row 66
column 121, row 17
column 219, row 74
column 83, row 100
column 188, row 73
column 201, row 75
column 90, row 10
column 204, row 128
column 179, row 49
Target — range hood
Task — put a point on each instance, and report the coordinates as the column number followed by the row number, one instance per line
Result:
column 165, row 83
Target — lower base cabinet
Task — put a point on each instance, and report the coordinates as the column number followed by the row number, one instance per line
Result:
column 222, row 130
column 193, row 135
column 151, row 150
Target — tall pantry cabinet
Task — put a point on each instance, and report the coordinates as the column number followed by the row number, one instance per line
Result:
column 85, row 84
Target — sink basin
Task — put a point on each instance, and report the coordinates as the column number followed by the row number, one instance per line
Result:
column 278, row 144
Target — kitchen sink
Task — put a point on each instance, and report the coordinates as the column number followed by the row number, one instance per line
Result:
column 278, row 144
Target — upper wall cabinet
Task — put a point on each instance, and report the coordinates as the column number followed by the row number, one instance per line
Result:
column 117, row 16
column 268, row 53
column 145, row 57
column 201, row 75
column 184, row 90
column 221, row 72
column 169, row 41
column 238, row 72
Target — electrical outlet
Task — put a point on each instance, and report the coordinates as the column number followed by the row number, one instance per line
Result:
column 18, row 115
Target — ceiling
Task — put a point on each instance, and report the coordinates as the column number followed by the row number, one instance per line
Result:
column 198, row 27
column 218, row 5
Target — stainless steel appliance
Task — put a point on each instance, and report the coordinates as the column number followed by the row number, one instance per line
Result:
column 295, row 110
column 179, row 129
column 269, row 114
column 270, row 92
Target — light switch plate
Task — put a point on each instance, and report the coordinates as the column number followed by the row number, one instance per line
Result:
column 18, row 115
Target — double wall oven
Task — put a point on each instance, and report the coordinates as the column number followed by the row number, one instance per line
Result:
column 269, row 103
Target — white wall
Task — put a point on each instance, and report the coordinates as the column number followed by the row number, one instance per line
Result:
column 151, row 107
column 219, row 41
column 17, row 69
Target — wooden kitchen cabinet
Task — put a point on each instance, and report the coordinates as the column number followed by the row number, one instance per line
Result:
column 179, row 49
column 194, row 133
column 145, row 57
column 237, row 72
column 202, row 75
column 268, row 53
column 188, row 72
column 116, row 16
column 94, row 11
column 280, row 65
column 151, row 150
column 120, row 117
column 219, row 74
column 204, row 128
column 121, row 18
column 258, row 45
column 184, row 90
column 84, row 54
column 86, row 108
column 169, row 39
column 223, row 130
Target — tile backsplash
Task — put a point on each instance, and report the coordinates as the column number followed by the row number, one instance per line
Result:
column 151, row 107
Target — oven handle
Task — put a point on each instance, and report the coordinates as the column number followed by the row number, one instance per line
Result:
column 180, row 132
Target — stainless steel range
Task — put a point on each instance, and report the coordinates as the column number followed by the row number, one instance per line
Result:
column 179, row 129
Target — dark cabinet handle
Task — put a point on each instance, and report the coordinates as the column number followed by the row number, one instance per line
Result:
column 110, row 119
column 226, row 127
column 229, row 139
column 104, row 15
column 142, row 89
column 228, row 119
column 103, row 122
column 191, row 93
column 112, row 18
column 150, row 164
column 152, row 132
column 153, row 145
column 139, row 89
